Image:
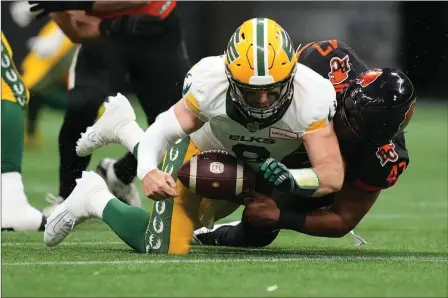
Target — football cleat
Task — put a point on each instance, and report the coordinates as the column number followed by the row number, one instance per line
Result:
column 17, row 214
column 24, row 218
column 118, row 111
column 74, row 210
column 125, row 192
column 204, row 236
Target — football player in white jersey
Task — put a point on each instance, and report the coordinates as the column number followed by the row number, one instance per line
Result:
column 255, row 102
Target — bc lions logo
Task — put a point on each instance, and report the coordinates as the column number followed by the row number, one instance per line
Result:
column 369, row 77
column 387, row 153
column 339, row 69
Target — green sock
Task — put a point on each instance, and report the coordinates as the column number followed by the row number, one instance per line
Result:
column 128, row 222
column 12, row 136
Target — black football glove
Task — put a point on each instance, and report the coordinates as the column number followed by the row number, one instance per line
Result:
column 42, row 8
column 135, row 26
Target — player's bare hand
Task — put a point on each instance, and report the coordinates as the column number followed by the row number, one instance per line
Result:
column 159, row 185
column 261, row 210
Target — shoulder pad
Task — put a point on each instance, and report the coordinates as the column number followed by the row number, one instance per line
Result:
column 334, row 60
column 201, row 84
column 314, row 100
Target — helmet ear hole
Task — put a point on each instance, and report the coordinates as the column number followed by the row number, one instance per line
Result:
column 243, row 36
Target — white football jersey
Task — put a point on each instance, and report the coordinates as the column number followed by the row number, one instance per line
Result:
column 205, row 94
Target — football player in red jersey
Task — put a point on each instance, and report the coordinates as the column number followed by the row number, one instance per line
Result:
column 374, row 106
column 139, row 38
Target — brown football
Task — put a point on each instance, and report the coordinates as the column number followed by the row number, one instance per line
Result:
column 216, row 175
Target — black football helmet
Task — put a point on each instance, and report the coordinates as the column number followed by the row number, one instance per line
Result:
column 375, row 107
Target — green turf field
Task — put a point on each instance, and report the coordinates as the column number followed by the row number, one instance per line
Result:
column 406, row 254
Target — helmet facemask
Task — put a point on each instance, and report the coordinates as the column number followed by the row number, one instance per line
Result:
column 345, row 126
column 260, row 64
column 247, row 99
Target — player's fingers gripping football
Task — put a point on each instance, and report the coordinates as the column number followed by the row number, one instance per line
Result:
column 170, row 185
column 158, row 186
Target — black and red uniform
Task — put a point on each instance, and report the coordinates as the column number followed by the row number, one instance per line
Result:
column 368, row 168
column 155, row 65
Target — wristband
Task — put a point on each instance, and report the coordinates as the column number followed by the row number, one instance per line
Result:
column 307, row 181
column 291, row 220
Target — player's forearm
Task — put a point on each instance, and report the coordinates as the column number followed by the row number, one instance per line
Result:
column 77, row 26
column 325, row 223
column 320, row 223
column 349, row 207
column 169, row 127
column 324, row 179
column 325, row 156
column 103, row 7
column 156, row 140
column 331, row 177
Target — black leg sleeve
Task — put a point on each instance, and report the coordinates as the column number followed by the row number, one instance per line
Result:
column 81, row 113
column 241, row 235
column 157, row 70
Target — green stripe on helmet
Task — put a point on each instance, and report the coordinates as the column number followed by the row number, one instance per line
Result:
column 237, row 35
column 260, row 47
column 287, row 45
column 232, row 52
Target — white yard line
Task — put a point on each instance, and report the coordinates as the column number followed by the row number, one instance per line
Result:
column 63, row 243
column 316, row 258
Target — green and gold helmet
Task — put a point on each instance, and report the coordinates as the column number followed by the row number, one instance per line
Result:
column 260, row 58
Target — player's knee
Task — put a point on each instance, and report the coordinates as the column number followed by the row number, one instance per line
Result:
column 341, row 230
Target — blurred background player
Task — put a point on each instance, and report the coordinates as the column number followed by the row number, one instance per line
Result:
column 17, row 213
column 140, row 38
column 373, row 109
column 44, row 71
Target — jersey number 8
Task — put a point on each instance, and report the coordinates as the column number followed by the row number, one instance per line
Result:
column 250, row 153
